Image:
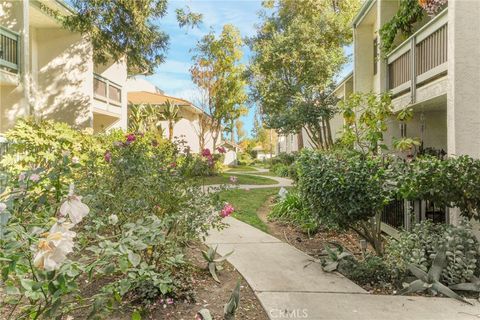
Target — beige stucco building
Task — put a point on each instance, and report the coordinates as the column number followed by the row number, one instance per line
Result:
column 435, row 72
column 47, row 71
column 192, row 122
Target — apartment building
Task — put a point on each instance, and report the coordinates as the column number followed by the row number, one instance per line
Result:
column 47, row 71
column 192, row 121
column 435, row 72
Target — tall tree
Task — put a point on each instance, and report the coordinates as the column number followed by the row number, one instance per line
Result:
column 297, row 50
column 126, row 28
column 217, row 72
column 241, row 134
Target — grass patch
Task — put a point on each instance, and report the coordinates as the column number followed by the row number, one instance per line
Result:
column 241, row 168
column 267, row 173
column 224, row 178
column 247, row 203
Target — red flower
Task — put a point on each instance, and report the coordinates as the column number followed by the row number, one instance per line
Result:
column 206, row 153
column 131, row 138
column 227, row 210
column 107, row 156
column 221, row 150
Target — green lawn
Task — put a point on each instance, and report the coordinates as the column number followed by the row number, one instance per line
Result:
column 224, row 178
column 241, row 168
column 268, row 173
column 247, row 202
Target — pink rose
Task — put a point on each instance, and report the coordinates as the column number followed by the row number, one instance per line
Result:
column 227, row 210
column 131, row 138
column 206, row 153
column 108, row 156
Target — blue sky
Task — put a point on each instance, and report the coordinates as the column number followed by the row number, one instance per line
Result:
column 173, row 76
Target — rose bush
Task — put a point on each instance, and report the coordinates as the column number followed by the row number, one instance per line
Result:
column 79, row 208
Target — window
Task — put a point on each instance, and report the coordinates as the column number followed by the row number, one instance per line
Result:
column 375, row 56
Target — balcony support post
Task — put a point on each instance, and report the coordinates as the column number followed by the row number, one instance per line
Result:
column 413, row 70
column 24, row 64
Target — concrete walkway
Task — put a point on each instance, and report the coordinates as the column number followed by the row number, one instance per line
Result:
column 290, row 286
column 281, row 182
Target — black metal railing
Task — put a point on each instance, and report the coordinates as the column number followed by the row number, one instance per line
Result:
column 394, row 214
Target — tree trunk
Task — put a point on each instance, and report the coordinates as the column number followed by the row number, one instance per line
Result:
column 324, row 131
column 299, row 140
column 170, row 131
column 320, row 137
column 329, row 132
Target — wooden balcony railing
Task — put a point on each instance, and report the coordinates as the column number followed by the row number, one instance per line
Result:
column 419, row 59
column 9, row 51
column 106, row 90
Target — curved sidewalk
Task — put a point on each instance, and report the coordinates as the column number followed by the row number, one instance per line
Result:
column 290, row 286
column 281, row 182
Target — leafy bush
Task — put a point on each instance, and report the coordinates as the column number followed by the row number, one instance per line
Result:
column 347, row 191
column 371, row 270
column 419, row 247
column 292, row 209
column 284, row 158
column 283, row 170
column 454, row 182
column 128, row 231
column 244, row 159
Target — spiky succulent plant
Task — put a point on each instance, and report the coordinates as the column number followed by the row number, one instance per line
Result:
column 231, row 306
column 431, row 280
column 212, row 262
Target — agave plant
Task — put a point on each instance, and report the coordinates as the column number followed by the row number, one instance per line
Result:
column 212, row 262
column 471, row 286
column 431, row 280
column 333, row 257
column 231, row 306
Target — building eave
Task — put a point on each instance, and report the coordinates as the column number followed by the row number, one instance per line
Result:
column 366, row 7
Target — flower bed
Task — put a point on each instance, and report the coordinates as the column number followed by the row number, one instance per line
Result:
column 113, row 209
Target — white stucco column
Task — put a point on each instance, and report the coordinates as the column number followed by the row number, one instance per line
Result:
column 463, row 92
column 363, row 58
column 25, row 55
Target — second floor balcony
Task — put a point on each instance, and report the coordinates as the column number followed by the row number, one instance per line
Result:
column 420, row 60
column 9, row 56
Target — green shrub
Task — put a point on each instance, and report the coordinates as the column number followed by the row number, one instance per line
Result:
column 346, row 190
column 371, row 270
column 284, row 158
column 128, row 232
column 420, row 245
column 244, row 159
column 292, row 209
column 283, row 170
column 453, row 182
